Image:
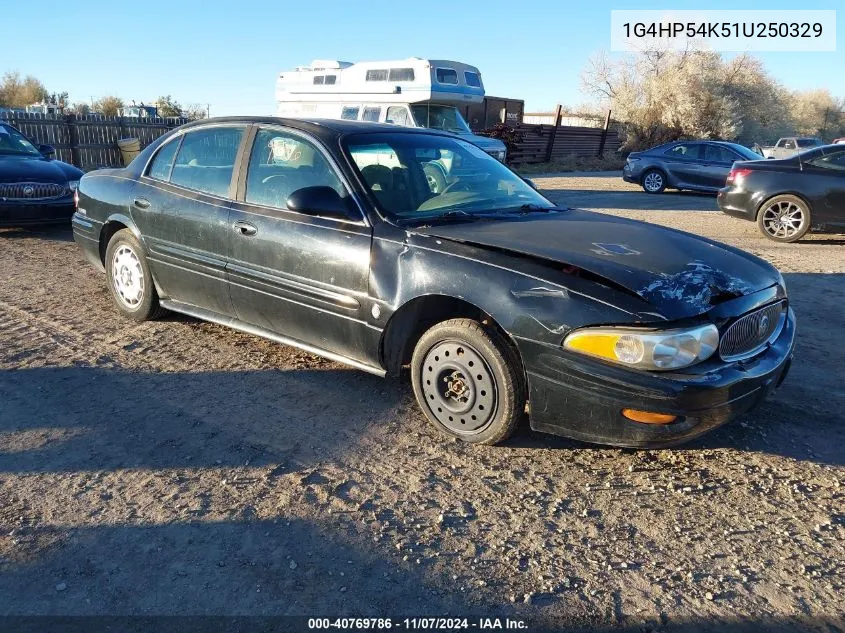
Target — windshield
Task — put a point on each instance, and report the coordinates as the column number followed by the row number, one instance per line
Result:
column 418, row 177
column 13, row 142
column 746, row 153
column 440, row 117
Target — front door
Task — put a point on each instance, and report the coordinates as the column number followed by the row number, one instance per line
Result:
column 826, row 184
column 301, row 276
column 181, row 206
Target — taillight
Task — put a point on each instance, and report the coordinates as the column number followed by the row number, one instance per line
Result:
column 737, row 175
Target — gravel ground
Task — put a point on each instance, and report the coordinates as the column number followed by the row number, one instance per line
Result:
column 180, row 467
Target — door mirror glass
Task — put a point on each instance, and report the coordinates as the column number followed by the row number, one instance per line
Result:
column 47, row 151
column 319, row 201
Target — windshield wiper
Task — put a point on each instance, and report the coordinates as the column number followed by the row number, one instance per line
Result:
column 532, row 207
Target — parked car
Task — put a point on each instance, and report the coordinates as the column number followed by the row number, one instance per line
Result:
column 693, row 165
column 790, row 145
column 327, row 236
column 34, row 187
column 836, row 141
column 791, row 196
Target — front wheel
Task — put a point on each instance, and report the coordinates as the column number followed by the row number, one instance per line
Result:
column 784, row 218
column 130, row 282
column 468, row 381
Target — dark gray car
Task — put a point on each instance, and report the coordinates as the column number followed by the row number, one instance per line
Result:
column 693, row 165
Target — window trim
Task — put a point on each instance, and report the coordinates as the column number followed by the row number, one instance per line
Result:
column 445, row 83
column 333, row 164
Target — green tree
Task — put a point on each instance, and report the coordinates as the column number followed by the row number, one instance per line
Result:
column 167, row 107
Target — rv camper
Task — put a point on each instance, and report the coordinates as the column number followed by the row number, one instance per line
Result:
column 411, row 92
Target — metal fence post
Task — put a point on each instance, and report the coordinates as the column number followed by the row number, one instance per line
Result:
column 604, row 135
column 551, row 146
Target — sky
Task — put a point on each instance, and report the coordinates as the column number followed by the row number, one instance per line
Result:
column 228, row 54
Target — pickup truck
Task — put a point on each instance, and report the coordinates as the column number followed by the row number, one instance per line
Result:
column 789, row 145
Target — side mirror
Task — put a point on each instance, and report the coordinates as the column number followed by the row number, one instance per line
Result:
column 319, row 201
column 47, row 151
column 529, row 182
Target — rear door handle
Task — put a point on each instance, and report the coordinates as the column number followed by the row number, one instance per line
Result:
column 244, row 228
column 142, row 203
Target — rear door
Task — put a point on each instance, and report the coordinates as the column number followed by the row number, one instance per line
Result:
column 181, row 206
column 826, row 179
column 683, row 162
column 301, row 276
column 718, row 161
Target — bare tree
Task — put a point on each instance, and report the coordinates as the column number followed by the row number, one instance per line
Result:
column 108, row 106
column 19, row 93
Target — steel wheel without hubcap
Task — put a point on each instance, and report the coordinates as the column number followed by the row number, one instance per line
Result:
column 784, row 219
column 128, row 276
column 653, row 182
column 459, row 387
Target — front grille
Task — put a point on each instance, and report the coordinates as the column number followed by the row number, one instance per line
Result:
column 31, row 190
column 750, row 333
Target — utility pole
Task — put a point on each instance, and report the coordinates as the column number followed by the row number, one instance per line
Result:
column 207, row 110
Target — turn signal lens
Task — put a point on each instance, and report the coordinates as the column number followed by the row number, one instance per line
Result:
column 737, row 175
column 648, row 417
column 647, row 349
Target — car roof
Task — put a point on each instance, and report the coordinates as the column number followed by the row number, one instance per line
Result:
column 322, row 128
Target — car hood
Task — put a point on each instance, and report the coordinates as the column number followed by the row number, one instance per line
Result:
column 679, row 274
column 36, row 169
column 484, row 142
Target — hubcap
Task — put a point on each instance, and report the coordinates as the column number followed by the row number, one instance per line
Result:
column 127, row 276
column 458, row 386
column 653, row 181
column 783, row 219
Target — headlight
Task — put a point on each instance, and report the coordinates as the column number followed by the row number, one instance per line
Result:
column 73, row 185
column 650, row 350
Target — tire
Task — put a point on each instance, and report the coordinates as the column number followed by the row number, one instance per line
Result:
column 452, row 365
column 435, row 177
column 129, row 280
column 654, row 181
column 784, row 218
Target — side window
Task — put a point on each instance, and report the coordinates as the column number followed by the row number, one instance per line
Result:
column 371, row 114
column 163, row 161
column 398, row 115
column 401, row 74
column 447, row 76
column 350, row 113
column 684, row 150
column 281, row 163
column 330, row 79
column 789, row 144
column 377, row 75
column 719, row 154
column 472, row 79
column 830, row 161
column 206, row 160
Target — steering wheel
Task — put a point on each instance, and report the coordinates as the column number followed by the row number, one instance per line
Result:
column 458, row 185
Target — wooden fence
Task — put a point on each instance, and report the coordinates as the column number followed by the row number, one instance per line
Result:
column 539, row 143
column 89, row 141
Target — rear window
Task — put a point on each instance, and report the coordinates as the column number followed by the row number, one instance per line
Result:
column 447, row 76
column 206, row 160
column 472, row 79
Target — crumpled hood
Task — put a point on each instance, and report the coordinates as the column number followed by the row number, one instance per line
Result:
column 681, row 275
column 36, row 169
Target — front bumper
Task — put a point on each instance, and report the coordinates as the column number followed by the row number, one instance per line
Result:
column 583, row 398
column 631, row 174
column 25, row 213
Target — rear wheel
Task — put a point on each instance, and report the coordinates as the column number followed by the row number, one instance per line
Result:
column 784, row 218
column 468, row 381
column 129, row 279
column 654, row 181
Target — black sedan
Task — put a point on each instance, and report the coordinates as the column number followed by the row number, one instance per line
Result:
column 790, row 196
column 34, row 188
column 327, row 236
column 692, row 165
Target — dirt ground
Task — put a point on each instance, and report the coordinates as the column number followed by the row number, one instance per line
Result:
column 177, row 467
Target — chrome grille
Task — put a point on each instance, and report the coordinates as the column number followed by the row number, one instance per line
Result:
column 31, row 190
column 750, row 333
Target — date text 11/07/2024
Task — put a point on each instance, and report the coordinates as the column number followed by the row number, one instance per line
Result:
column 418, row 624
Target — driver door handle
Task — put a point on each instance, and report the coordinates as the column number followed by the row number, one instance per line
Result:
column 244, row 228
